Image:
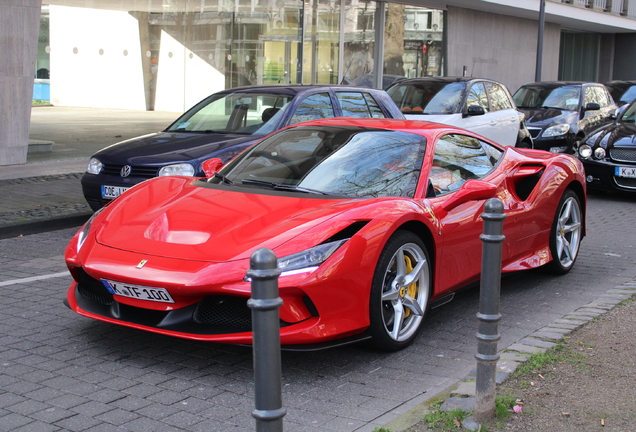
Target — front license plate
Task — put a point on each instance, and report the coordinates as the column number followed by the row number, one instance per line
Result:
column 138, row 291
column 113, row 191
column 625, row 172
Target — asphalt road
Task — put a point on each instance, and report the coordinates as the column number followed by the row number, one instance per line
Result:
column 60, row 371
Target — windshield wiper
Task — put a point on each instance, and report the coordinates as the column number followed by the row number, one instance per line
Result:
column 281, row 186
column 550, row 107
column 223, row 178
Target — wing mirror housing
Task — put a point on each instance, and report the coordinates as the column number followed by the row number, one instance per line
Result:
column 472, row 190
column 474, row 110
column 211, row 166
column 592, row 106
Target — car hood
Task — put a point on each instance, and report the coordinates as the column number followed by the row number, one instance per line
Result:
column 169, row 147
column 616, row 134
column 173, row 217
column 545, row 116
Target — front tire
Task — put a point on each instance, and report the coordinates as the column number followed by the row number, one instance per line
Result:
column 400, row 292
column 566, row 234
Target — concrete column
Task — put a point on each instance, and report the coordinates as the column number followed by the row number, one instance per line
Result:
column 19, row 28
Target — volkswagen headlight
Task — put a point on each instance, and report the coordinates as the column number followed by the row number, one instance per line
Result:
column 183, row 169
column 557, row 130
column 94, row 166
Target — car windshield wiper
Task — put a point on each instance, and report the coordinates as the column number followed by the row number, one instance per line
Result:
column 223, row 178
column 281, row 186
column 551, row 107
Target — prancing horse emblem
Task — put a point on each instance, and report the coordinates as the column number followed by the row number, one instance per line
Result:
column 141, row 264
column 125, row 171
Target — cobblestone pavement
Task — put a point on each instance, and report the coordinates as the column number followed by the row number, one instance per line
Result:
column 60, row 371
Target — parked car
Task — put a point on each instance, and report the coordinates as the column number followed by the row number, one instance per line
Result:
column 479, row 105
column 560, row 113
column 222, row 125
column 623, row 92
column 372, row 221
column 609, row 154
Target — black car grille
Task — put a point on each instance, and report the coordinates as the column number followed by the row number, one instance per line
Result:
column 534, row 132
column 224, row 311
column 94, row 290
column 136, row 171
column 629, row 183
column 623, row 154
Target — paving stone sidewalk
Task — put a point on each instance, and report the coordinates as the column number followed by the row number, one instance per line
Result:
column 37, row 204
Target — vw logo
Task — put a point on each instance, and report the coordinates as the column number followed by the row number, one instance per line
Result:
column 125, row 171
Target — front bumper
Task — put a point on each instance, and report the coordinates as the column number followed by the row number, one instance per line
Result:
column 554, row 144
column 600, row 175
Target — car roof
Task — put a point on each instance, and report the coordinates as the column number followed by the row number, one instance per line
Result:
column 294, row 89
column 555, row 84
column 442, row 79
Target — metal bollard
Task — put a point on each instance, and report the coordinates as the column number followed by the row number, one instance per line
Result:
column 266, row 341
column 488, row 315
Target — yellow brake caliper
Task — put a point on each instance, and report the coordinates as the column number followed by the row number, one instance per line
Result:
column 412, row 288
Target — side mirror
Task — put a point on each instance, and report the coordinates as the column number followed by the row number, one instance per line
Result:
column 474, row 110
column 472, row 190
column 211, row 166
column 592, row 106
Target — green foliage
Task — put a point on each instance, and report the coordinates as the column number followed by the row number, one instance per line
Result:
column 538, row 361
column 381, row 429
column 447, row 420
column 503, row 405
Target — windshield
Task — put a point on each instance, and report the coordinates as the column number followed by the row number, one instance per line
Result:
column 564, row 98
column 242, row 113
column 630, row 114
column 428, row 97
column 333, row 160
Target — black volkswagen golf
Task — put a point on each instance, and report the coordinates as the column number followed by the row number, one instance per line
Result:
column 560, row 113
column 221, row 126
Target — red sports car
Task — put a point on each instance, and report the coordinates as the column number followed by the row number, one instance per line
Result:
column 373, row 222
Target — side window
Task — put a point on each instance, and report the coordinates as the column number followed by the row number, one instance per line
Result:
column 374, row 107
column 356, row 104
column 590, row 96
column 499, row 99
column 313, row 107
column 459, row 158
column 477, row 96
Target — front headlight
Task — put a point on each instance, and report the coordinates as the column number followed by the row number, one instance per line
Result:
column 585, row 151
column 308, row 260
column 557, row 130
column 599, row 153
column 184, row 169
column 83, row 234
column 94, row 166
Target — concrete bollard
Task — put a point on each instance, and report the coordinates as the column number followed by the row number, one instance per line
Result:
column 265, row 303
column 488, row 315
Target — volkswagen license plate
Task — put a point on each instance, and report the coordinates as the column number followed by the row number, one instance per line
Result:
column 113, row 191
column 625, row 172
column 138, row 291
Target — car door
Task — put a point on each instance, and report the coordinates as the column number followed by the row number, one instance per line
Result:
column 504, row 118
column 456, row 160
column 481, row 124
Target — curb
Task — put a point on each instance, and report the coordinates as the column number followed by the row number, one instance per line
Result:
column 461, row 395
column 44, row 225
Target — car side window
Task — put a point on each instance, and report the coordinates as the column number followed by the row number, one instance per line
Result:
column 477, row 96
column 499, row 99
column 590, row 96
column 313, row 107
column 357, row 104
column 459, row 158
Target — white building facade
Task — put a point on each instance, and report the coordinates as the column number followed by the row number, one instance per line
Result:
column 166, row 55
